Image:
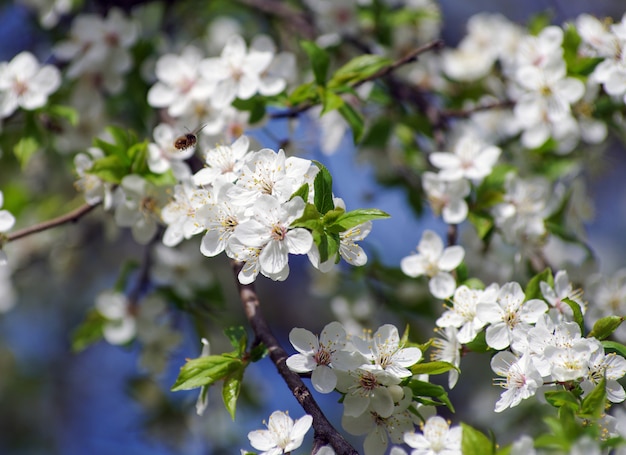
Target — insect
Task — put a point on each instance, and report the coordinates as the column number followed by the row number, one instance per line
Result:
column 187, row 140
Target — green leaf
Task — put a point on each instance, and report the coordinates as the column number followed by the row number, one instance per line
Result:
column 25, row 149
column 330, row 101
column 483, row 223
column 332, row 216
column 490, row 191
column 614, row 346
column 479, row 344
column 65, row 112
column 533, row 288
column 89, row 331
column 138, row 154
column 320, row 61
column 238, row 338
column 562, row 398
column 474, row 442
column 302, row 192
column 355, row 217
column 303, row 93
column 593, row 405
column 578, row 314
column 258, row 352
column 205, row 371
column 354, row 119
column 426, row 389
column 437, row 367
column 231, row 389
column 358, row 69
column 603, row 328
column 255, row 105
column 110, row 169
column 310, row 219
column 323, row 185
column 327, row 244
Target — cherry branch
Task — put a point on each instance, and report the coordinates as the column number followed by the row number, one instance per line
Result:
column 464, row 113
column 325, row 433
column 410, row 57
column 70, row 217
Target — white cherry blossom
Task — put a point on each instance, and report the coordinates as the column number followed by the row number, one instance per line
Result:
column 236, row 73
column 518, row 376
column 610, row 366
column 437, row 438
column 25, row 84
column 140, row 207
column 472, row 159
column 283, row 435
column 318, row 355
column 121, row 326
column 463, row 314
column 507, row 313
column 224, row 161
column 180, row 86
column 447, row 198
column 268, row 228
column 99, row 47
column 562, row 289
column 447, row 348
column 384, row 350
column 435, row 262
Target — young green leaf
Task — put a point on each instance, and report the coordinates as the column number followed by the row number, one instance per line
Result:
column 354, row 119
column 533, row 288
column 88, row 332
column 319, row 61
column 238, row 338
column 231, row 389
column 603, row 328
column 578, row 314
column 474, row 442
column 358, row 69
column 593, row 405
column 426, row 389
column 614, row 346
column 25, row 149
column 355, row 217
column 437, row 367
column 323, row 185
column 205, row 371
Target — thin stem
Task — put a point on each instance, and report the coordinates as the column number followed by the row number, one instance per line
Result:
column 70, row 217
column 324, row 431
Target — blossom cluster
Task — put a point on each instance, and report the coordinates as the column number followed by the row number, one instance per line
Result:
column 371, row 371
column 242, row 204
column 98, row 49
column 538, row 341
column 199, row 90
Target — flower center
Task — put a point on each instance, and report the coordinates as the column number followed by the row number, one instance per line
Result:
column 278, row 232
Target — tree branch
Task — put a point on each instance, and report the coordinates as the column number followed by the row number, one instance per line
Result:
column 70, row 217
column 410, row 57
column 324, row 431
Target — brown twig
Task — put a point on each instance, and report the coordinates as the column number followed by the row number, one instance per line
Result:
column 325, row 433
column 70, row 217
column 464, row 113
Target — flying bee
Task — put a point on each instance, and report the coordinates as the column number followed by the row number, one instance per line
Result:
column 187, row 140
